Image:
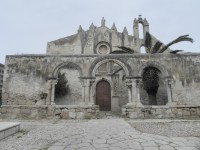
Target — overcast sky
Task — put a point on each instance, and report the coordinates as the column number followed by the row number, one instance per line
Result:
column 27, row 25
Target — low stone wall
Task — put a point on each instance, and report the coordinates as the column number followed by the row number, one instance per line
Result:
column 161, row 112
column 49, row 111
column 74, row 112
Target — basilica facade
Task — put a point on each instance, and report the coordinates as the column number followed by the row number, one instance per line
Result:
column 100, row 81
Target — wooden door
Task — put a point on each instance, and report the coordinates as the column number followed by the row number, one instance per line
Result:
column 103, row 95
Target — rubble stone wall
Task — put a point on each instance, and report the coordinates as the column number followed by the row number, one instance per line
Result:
column 162, row 112
column 44, row 111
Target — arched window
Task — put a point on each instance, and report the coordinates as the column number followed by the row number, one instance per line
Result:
column 153, row 90
column 142, row 50
column 141, row 31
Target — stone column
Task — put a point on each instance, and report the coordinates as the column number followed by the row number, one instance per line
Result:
column 169, row 84
column 48, row 99
column 136, row 92
column 53, row 83
column 87, row 91
column 129, row 85
column 83, row 92
column 92, row 102
column 137, row 89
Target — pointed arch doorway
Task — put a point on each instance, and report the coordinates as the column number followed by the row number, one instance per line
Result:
column 103, row 95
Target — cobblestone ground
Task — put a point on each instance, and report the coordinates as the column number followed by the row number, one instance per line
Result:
column 101, row 134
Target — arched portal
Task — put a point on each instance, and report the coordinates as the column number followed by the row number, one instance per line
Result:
column 68, row 89
column 154, row 89
column 113, row 70
column 103, row 95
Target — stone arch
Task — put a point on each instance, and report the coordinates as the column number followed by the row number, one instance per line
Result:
column 72, row 73
column 162, row 94
column 101, row 60
column 99, row 80
column 160, row 67
column 68, row 65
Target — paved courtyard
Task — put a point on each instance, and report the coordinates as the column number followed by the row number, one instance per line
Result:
column 104, row 134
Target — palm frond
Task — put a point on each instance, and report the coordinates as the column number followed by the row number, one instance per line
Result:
column 119, row 52
column 127, row 49
column 175, row 51
column 177, row 40
column 117, row 71
column 156, row 47
column 147, row 42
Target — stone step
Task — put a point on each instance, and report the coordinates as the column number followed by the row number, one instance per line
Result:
column 109, row 115
column 8, row 128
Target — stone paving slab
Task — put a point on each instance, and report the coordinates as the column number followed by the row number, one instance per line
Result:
column 118, row 134
column 8, row 128
column 98, row 134
column 167, row 127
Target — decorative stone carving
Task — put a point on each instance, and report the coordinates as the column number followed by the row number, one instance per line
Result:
column 115, row 87
column 129, row 83
column 103, row 22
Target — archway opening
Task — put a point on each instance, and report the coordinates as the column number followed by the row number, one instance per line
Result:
column 153, row 90
column 68, row 90
column 115, row 74
column 142, row 50
column 141, row 31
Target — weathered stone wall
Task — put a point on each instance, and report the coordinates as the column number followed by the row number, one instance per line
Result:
column 86, row 42
column 44, row 111
column 162, row 112
column 123, row 90
column 66, row 46
column 26, row 77
column 74, row 92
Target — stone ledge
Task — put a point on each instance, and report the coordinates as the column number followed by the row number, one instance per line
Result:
column 8, row 128
column 75, row 106
column 160, row 106
column 20, row 106
column 181, row 112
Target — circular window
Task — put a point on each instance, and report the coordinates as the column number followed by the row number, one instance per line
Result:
column 103, row 49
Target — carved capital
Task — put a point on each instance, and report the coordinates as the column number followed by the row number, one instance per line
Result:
column 54, row 82
column 87, row 82
column 169, row 82
column 129, row 83
column 138, row 82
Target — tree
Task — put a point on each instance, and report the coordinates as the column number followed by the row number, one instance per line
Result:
column 151, row 74
column 61, row 88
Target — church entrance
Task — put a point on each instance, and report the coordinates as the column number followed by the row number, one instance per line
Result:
column 103, row 95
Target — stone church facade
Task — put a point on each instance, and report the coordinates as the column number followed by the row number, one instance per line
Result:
column 100, row 81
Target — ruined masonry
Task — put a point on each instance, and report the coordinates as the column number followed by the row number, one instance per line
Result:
column 100, row 81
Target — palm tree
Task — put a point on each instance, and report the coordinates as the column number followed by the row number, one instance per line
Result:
column 150, row 75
